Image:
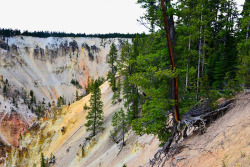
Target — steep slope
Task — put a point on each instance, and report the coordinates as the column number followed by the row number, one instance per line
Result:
column 15, row 116
column 226, row 142
column 48, row 138
column 47, row 66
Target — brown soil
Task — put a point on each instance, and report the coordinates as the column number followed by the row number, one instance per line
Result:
column 226, row 142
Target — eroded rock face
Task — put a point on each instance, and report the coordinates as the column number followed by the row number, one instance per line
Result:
column 4, row 149
column 4, row 45
column 47, row 65
column 12, row 127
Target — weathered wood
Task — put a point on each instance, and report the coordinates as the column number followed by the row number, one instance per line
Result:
column 198, row 118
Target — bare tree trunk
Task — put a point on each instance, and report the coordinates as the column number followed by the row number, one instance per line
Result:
column 123, row 132
column 199, row 62
column 245, row 62
column 189, row 46
column 171, row 30
column 203, row 57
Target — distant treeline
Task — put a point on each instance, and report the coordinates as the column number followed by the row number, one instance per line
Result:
column 45, row 34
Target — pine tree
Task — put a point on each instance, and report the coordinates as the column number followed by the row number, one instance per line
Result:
column 244, row 45
column 128, row 67
column 95, row 114
column 4, row 89
column 112, row 60
column 85, row 107
column 43, row 164
column 120, row 124
column 117, row 94
column 76, row 94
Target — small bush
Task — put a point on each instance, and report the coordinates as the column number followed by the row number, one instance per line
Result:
column 76, row 83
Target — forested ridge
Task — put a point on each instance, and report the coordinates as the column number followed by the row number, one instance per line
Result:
column 45, row 34
column 183, row 74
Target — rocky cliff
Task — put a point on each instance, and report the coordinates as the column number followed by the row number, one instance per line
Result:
column 50, row 68
column 48, row 65
column 69, row 146
column 225, row 142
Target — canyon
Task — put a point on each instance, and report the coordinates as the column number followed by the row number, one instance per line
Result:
column 47, row 67
column 50, row 68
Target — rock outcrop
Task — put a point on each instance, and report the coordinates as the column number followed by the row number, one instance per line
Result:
column 47, row 66
column 12, row 126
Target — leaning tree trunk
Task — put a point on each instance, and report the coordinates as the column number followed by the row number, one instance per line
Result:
column 176, row 110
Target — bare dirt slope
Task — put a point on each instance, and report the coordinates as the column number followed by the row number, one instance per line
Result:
column 226, row 142
column 48, row 138
column 50, row 67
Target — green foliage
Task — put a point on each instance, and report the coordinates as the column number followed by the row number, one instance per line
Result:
column 243, row 47
column 95, row 114
column 85, row 107
column 120, row 125
column 52, row 158
column 128, row 67
column 49, row 104
column 77, row 95
column 207, row 68
column 99, row 82
column 112, row 61
column 46, row 34
column 4, row 89
column 60, row 101
column 117, row 94
column 76, row 84
column 33, row 98
column 42, row 161
column 39, row 111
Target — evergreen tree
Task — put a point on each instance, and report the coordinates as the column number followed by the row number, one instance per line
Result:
column 153, row 78
column 120, row 124
column 244, row 45
column 128, row 67
column 32, row 100
column 85, row 107
column 43, row 164
column 49, row 105
column 4, row 89
column 112, row 59
column 61, row 101
column 76, row 94
column 95, row 114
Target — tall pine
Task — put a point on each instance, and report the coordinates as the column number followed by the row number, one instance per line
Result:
column 120, row 125
column 112, row 61
column 244, row 45
column 95, row 115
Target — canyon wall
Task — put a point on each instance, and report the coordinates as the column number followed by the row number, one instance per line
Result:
column 46, row 66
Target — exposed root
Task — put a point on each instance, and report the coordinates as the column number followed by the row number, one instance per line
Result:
column 191, row 121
